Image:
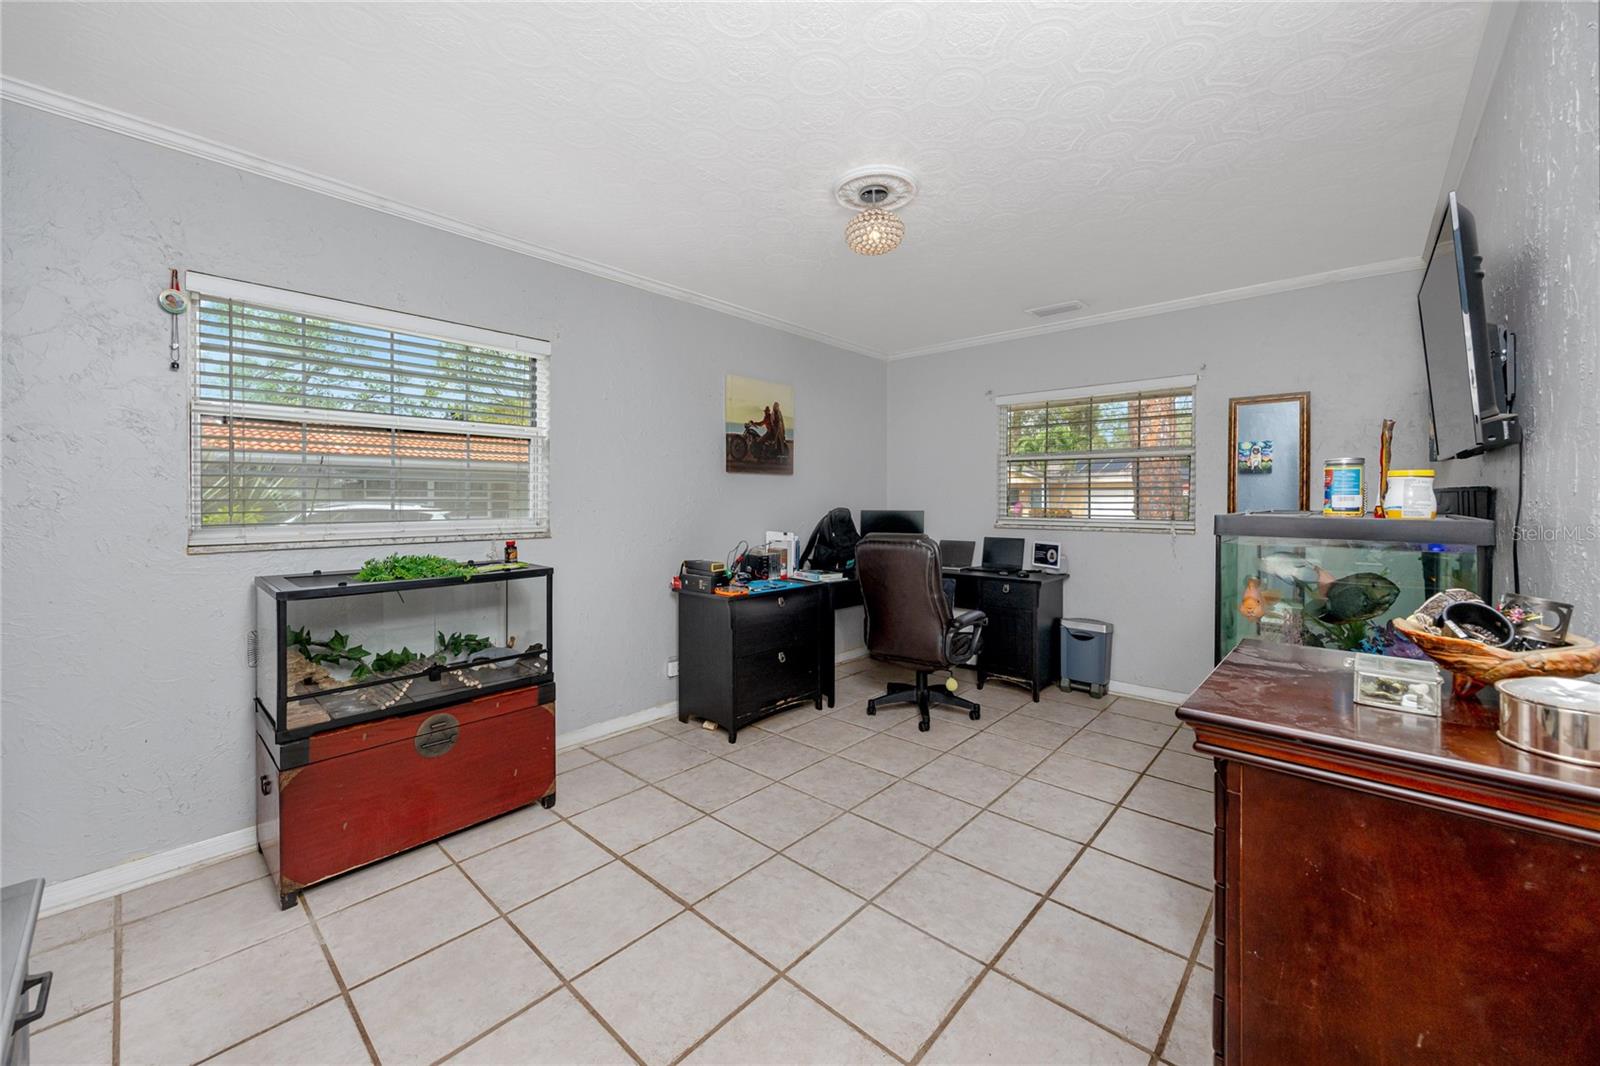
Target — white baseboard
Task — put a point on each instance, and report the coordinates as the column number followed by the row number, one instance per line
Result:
column 127, row 876
column 612, row 726
column 1145, row 692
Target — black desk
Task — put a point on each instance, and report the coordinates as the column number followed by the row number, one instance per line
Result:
column 1022, row 641
column 741, row 658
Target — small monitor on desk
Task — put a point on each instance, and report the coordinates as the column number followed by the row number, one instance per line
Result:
column 1002, row 553
column 891, row 522
column 956, row 553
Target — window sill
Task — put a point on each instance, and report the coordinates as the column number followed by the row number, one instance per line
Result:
column 258, row 539
column 1090, row 525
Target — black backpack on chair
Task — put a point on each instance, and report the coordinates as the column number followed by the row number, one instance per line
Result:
column 833, row 543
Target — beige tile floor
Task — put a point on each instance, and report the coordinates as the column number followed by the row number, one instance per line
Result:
column 1033, row 887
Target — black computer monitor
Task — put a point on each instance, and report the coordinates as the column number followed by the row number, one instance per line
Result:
column 1003, row 553
column 891, row 522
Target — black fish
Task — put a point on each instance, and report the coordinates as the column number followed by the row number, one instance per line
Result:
column 1357, row 598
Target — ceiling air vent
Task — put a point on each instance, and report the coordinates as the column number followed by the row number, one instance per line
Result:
column 1052, row 310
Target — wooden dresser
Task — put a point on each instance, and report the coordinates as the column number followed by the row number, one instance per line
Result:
column 1392, row 888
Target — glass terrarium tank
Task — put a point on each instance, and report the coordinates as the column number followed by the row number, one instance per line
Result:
column 1332, row 582
column 333, row 650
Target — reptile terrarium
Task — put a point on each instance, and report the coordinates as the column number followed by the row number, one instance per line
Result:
column 393, row 712
column 343, row 650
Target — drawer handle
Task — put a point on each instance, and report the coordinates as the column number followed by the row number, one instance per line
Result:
column 782, row 658
column 437, row 735
column 780, row 601
column 1005, row 588
column 266, row 785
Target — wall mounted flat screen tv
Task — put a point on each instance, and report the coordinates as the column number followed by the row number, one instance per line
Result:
column 1469, row 384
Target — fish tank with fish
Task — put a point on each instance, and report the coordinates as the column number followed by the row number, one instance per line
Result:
column 405, row 634
column 1296, row 577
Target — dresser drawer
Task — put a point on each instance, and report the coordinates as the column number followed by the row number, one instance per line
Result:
column 1002, row 595
column 772, row 674
column 774, row 621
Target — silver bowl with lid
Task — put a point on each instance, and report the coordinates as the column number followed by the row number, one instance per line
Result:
column 1554, row 716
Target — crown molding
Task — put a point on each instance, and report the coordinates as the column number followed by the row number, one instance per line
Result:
column 106, row 118
column 1247, row 292
column 56, row 103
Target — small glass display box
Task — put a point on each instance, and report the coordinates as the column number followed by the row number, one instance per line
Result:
column 1294, row 577
column 333, row 651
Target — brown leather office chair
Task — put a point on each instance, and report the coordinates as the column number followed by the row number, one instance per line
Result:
column 910, row 622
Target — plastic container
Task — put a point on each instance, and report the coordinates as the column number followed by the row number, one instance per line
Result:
column 1086, row 655
column 1344, row 487
column 1409, row 685
column 1410, row 495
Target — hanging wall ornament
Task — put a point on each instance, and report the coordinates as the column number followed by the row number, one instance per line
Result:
column 173, row 302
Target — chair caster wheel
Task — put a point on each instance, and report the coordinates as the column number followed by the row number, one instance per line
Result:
column 548, row 801
column 973, row 715
column 924, row 725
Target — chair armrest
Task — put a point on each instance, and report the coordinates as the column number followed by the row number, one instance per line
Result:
column 962, row 638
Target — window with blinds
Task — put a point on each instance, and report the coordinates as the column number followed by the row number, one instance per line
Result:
column 320, row 420
column 1123, row 459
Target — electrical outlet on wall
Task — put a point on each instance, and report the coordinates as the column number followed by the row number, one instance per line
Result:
column 672, row 666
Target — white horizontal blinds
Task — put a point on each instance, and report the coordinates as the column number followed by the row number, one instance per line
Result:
column 307, row 420
column 1124, row 458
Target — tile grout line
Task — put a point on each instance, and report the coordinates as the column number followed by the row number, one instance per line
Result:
column 561, row 978
column 338, row 978
column 1044, row 899
column 873, row 902
column 692, row 908
column 1183, row 985
column 340, row 993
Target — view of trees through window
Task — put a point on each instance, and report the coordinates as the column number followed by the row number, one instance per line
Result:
column 1123, row 459
column 305, row 420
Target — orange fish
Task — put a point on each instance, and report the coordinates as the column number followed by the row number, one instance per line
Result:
column 1255, row 601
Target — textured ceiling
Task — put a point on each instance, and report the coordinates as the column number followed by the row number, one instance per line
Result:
column 1119, row 154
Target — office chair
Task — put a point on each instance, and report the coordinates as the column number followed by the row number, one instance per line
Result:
column 909, row 621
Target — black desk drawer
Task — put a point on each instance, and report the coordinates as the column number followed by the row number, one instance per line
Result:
column 998, row 594
column 774, row 621
column 773, row 674
column 1008, row 644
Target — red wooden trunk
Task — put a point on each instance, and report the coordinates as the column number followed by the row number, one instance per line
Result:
column 352, row 796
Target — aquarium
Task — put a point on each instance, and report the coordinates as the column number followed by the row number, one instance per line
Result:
column 1333, row 582
column 332, row 650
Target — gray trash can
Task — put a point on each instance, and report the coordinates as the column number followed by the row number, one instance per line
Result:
column 1086, row 655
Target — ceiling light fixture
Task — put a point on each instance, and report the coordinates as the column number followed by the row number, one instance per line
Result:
column 873, row 193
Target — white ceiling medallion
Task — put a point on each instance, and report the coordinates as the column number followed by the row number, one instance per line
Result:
column 874, row 193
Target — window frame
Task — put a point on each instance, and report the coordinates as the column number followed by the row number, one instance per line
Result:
column 1096, row 393
column 284, row 536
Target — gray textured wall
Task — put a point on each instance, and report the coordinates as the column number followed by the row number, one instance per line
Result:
column 127, row 725
column 1354, row 346
column 1532, row 182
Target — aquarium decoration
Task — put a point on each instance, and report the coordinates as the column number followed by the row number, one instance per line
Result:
column 458, row 644
column 413, row 568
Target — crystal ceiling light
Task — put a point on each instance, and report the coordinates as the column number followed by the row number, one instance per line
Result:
column 873, row 193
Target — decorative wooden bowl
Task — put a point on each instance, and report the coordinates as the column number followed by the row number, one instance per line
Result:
column 1476, row 665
